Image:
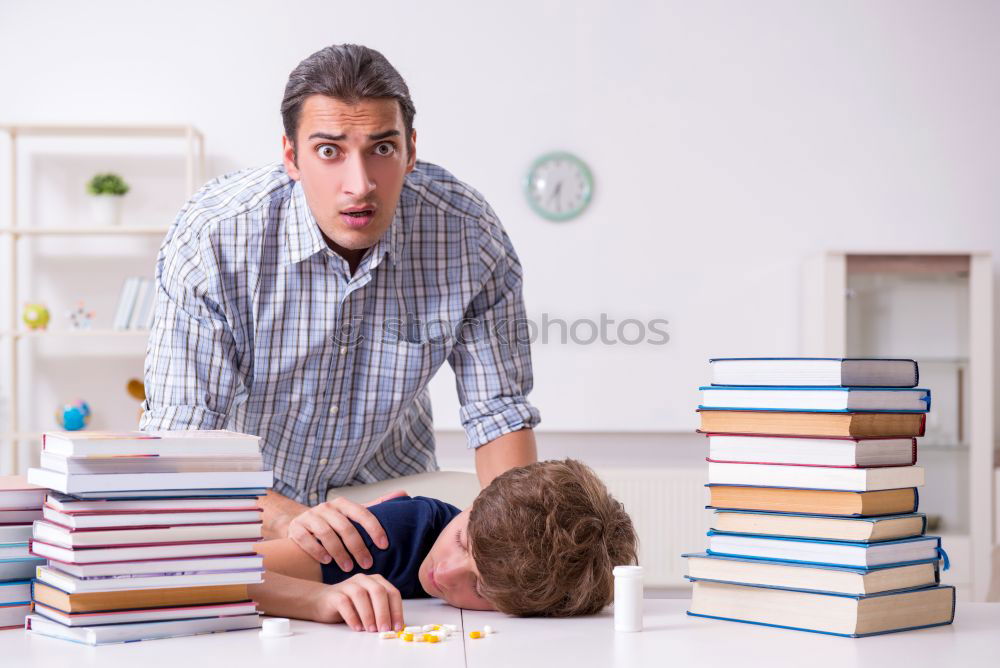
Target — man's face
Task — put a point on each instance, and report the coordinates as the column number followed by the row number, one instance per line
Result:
column 351, row 160
column 449, row 572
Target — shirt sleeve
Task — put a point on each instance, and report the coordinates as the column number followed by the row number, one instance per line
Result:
column 491, row 357
column 191, row 368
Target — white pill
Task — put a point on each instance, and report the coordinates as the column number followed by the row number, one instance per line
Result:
column 450, row 627
column 488, row 630
column 428, row 627
column 412, row 629
column 387, row 634
column 419, row 638
column 441, row 633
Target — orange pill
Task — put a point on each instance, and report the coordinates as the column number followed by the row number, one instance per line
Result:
column 475, row 634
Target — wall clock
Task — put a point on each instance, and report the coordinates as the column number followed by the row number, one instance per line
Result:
column 559, row 186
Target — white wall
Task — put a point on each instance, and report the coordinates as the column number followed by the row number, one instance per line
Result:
column 729, row 140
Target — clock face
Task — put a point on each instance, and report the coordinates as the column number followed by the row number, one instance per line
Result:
column 559, row 186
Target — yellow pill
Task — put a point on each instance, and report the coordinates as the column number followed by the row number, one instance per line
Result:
column 408, row 637
column 433, row 639
column 475, row 634
column 435, row 627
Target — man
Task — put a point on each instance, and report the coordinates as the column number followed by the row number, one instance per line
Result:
column 310, row 302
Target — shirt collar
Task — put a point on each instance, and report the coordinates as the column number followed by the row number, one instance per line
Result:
column 303, row 238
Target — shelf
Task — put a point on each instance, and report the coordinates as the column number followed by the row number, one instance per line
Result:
column 80, row 333
column 55, row 130
column 123, row 230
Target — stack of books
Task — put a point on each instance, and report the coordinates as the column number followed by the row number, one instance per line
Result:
column 136, row 304
column 813, row 479
column 147, row 534
column 20, row 505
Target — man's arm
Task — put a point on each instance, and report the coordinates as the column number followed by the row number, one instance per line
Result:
column 516, row 448
column 278, row 513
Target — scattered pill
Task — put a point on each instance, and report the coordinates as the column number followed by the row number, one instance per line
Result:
column 441, row 633
column 450, row 627
column 420, row 638
column 433, row 639
column 427, row 627
column 488, row 630
column 408, row 637
column 386, row 635
column 412, row 629
column 475, row 634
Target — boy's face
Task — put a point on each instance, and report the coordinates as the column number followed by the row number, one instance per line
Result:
column 449, row 571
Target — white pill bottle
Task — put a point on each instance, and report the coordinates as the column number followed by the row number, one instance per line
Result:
column 628, row 598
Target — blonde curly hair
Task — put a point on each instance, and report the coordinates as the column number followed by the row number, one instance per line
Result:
column 545, row 538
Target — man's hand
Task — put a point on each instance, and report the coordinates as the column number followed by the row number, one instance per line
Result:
column 325, row 532
column 363, row 602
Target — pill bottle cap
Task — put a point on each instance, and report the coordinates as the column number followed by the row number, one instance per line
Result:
column 276, row 627
column 627, row 571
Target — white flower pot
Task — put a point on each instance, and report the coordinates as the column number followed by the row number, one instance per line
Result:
column 106, row 210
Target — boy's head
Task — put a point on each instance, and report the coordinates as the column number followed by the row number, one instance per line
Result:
column 541, row 539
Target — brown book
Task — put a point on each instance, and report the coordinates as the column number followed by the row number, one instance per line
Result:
column 102, row 601
column 802, row 423
column 814, row 501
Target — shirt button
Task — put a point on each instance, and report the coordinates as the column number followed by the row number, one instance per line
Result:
column 323, row 461
column 333, row 409
column 343, row 350
column 313, row 497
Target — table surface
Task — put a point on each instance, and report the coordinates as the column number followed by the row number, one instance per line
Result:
column 670, row 637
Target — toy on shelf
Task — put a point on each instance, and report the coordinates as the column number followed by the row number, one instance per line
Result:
column 80, row 318
column 74, row 416
column 137, row 390
column 35, row 316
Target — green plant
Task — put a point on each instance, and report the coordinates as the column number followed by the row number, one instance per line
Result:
column 107, row 184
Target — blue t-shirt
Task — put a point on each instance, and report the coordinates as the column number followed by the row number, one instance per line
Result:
column 411, row 524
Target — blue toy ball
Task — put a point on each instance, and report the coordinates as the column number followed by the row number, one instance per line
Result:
column 74, row 416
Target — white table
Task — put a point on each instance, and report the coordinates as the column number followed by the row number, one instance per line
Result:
column 670, row 638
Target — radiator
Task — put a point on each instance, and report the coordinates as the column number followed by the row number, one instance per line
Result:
column 667, row 507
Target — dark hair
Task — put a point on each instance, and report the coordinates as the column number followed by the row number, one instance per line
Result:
column 349, row 73
column 545, row 538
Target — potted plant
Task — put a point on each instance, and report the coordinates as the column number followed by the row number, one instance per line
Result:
column 106, row 191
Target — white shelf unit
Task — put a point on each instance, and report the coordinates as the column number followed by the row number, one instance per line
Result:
column 193, row 142
column 825, row 328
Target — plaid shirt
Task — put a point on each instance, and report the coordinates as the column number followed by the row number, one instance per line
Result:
column 260, row 327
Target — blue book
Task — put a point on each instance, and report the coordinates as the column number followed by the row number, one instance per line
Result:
column 827, row 552
column 825, row 399
column 854, row 616
column 816, row 371
column 807, row 577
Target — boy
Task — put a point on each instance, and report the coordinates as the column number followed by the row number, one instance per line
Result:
column 541, row 539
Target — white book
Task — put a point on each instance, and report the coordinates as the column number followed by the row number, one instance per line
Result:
column 16, row 493
column 151, row 615
column 63, row 537
column 134, row 495
column 149, row 464
column 836, row 399
column 19, row 568
column 814, row 371
column 12, row 616
column 15, row 533
column 241, row 562
column 138, row 315
column 815, row 477
column 15, row 591
column 173, row 443
column 137, row 482
column 70, row 555
column 14, row 551
column 812, row 451
column 72, row 505
column 15, row 517
column 146, row 519
column 74, row 585
column 124, row 305
column 863, row 555
column 115, row 633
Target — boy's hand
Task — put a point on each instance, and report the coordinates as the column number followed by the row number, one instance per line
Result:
column 325, row 532
column 363, row 602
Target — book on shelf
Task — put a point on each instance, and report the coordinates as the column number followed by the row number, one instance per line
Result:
column 826, row 552
column 853, row 529
column 141, row 482
column 807, row 577
column 73, row 585
column 126, row 302
column 815, row 424
column 136, row 304
column 120, row 617
column 105, row 634
column 815, row 477
column 814, row 501
column 832, row 613
column 60, row 536
column 838, row 399
column 148, row 464
column 830, row 451
column 170, row 443
column 139, row 598
column 94, row 555
column 153, row 566
column 148, row 519
column 814, row 371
